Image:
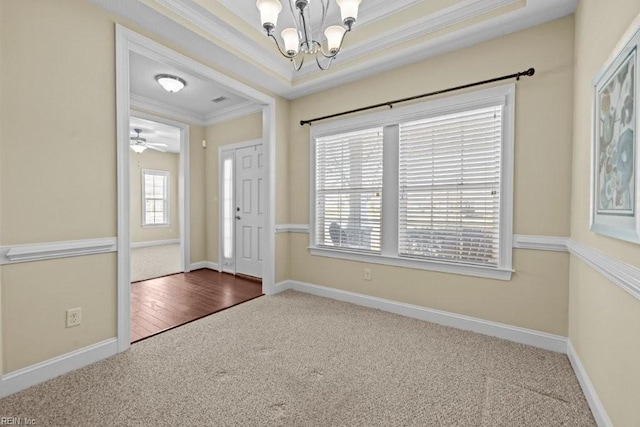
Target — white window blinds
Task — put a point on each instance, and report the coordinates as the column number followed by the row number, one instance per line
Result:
column 449, row 207
column 348, row 194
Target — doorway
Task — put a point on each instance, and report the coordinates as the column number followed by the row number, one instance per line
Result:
column 157, row 166
column 129, row 44
column 241, row 177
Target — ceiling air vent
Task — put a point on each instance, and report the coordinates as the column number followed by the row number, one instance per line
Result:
column 219, row 99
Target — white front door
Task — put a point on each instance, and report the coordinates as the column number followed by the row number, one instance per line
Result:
column 249, row 210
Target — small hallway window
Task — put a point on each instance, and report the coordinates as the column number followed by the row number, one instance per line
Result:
column 155, row 194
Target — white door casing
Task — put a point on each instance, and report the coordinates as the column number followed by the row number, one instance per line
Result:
column 249, row 210
column 129, row 41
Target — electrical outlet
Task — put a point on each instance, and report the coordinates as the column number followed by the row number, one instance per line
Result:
column 74, row 317
column 367, row 274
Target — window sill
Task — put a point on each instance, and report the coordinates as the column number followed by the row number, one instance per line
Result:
column 156, row 225
column 441, row 267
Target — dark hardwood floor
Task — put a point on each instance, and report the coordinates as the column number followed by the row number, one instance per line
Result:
column 166, row 302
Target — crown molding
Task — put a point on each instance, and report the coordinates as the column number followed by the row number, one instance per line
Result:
column 500, row 26
column 234, row 112
column 151, row 105
column 370, row 11
column 160, row 108
column 280, row 80
column 437, row 21
column 218, row 28
column 225, row 61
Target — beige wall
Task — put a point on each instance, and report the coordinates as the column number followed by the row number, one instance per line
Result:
column 36, row 296
column 537, row 296
column 154, row 160
column 604, row 321
column 58, row 173
column 67, row 188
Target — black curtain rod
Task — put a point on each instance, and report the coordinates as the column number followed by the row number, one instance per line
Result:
column 530, row 72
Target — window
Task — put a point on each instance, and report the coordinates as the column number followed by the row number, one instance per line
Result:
column 348, row 190
column 227, row 209
column 427, row 186
column 155, row 197
column 450, row 187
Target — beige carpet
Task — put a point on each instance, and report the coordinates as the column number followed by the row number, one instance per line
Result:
column 296, row 359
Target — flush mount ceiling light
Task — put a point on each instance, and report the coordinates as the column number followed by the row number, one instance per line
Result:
column 171, row 83
column 301, row 41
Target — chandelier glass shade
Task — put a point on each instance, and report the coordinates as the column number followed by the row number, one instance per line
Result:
column 304, row 40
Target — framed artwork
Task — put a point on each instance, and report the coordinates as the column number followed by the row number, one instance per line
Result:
column 615, row 168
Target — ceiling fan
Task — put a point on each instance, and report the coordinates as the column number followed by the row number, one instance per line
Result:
column 139, row 144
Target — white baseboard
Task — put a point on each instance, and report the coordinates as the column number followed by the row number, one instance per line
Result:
column 500, row 330
column 135, row 245
column 282, row 286
column 597, row 408
column 24, row 378
column 204, row 264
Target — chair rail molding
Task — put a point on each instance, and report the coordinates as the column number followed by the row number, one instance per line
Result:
column 64, row 249
column 540, row 243
column 623, row 275
column 292, row 228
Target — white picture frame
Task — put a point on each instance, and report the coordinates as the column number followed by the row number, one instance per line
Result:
column 615, row 178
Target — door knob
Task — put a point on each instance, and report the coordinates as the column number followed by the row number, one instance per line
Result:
column 237, row 216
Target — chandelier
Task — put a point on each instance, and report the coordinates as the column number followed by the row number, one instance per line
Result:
column 304, row 40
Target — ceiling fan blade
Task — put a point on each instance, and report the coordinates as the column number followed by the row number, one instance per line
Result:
column 159, row 144
column 156, row 148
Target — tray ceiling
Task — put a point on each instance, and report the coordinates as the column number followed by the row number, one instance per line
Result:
column 388, row 34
